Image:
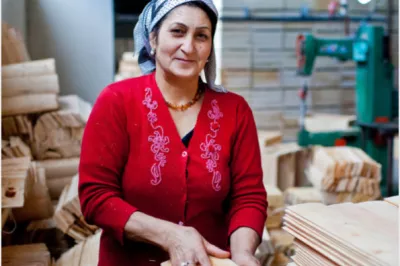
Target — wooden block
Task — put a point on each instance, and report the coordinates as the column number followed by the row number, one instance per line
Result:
column 300, row 195
column 30, row 85
column 274, row 196
column 59, row 168
column 24, row 255
column 31, row 68
column 27, row 104
column 267, row 138
column 13, row 46
column 279, row 165
column 38, row 204
column 14, row 173
column 214, row 262
column 328, row 122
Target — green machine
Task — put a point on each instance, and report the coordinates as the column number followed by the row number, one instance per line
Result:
column 376, row 100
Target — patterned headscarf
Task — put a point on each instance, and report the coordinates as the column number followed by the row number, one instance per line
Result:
column 151, row 15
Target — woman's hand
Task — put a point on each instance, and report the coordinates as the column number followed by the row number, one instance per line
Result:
column 245, row 258
column 185, row 244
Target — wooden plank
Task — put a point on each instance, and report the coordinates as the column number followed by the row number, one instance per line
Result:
column 13, row 46
column 60, row 168
column 28, row 104
column 28, row 69
column 300, row 195
column 269, row 137
column 30, row 85
column 395, row 200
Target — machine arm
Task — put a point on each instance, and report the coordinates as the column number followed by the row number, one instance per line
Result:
column 308, row 48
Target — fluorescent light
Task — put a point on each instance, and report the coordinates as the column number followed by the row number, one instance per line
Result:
column 363, row 2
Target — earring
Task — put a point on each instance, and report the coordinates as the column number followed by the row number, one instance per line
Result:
column 152, row 52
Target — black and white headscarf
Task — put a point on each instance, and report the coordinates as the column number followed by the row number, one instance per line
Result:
column 150, row 16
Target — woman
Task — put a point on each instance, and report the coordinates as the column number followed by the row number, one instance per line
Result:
column 170, row 166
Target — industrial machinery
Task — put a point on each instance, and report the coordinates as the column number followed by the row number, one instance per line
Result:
column 375, row 96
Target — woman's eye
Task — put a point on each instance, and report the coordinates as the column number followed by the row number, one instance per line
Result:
column 177, row 31
column 203, row 36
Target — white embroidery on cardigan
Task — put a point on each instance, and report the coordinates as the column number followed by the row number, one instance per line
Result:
column 159, row 141
column 210, row 148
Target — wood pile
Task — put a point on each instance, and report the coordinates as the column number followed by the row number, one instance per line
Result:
column 344, row 234
column 128, row 67
column 29, row 87
column 58, row 134
column 85, row 253
column 68, row 215
column 41, row 140
column 26, row 255
column 345, row 171
column 300, row 195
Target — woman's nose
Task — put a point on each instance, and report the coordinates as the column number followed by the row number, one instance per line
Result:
column 188, row 45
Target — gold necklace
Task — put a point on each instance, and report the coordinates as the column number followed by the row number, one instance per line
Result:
column 186, row 106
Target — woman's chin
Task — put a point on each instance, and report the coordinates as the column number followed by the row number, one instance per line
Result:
column 185, row 73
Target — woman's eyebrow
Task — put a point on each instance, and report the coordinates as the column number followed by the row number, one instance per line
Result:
column 184, row 25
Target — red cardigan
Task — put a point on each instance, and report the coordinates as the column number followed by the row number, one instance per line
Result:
column 133, row 159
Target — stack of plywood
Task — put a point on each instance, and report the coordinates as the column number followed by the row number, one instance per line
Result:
column 85, row 253
column 59, row 173
column 14, row 174
column 344, row 234
column 58, row 134
column 128, row 67
column 345, row 174
column 26, row 255
column 29, row 87
column 15, row 147
column 68, row 215
column 13, row 48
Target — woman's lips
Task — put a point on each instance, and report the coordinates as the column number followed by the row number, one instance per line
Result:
column 185, row 60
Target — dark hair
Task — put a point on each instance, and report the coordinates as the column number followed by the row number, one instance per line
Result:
column 211, row 15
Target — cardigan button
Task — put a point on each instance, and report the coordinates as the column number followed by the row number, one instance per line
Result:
column 184, row 154
column 181, row 223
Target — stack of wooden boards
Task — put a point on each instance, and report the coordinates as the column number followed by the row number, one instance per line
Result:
column 264, row 72
column 41, row 140
column 29, row 87
column 128, row 67
column 345, row 234
column 344, row 174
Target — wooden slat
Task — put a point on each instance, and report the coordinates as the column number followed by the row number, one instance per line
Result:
column 28, row 69
column 26, row 255
column 30, row 85
column 28, row 104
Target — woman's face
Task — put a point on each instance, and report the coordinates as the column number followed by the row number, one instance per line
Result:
column 184, row 42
